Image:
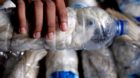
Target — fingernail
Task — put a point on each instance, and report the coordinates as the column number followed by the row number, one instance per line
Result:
column 23, row 30
column 64, row 27
column 51, row 35
column 36, row 35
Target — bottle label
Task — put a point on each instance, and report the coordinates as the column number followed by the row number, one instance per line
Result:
column 64, row 74
column 79, row 5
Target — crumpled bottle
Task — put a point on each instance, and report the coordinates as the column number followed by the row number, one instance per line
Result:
column 127, row 56
column 5, row 33
column 101, row 32
column 88, row 28
column 6, row 30
column 26, row 66
column 98, row 64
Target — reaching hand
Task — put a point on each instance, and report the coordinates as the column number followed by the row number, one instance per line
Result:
column 52, row 9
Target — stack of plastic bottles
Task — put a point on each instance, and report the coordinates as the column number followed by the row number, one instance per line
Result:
column 100, row 43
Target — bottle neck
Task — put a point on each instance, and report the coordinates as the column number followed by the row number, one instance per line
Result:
column 121, row 28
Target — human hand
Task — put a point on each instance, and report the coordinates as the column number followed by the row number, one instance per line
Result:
column 52, row 9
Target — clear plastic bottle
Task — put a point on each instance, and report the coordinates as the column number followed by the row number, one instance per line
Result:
column 25, row 67
column 127, row 56
column 5, row 30
column 88, row 28
column 98, row 64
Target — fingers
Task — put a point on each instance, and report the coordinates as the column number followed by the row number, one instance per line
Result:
column 51, row 18
column 60, row 4
column 38, row 8
column 21, row 16
column 50, row 15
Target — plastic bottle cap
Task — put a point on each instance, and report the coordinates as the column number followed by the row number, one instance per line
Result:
column 63, row 74
column 120, row 27
column 134, row 76
column 79, row 5
column 137, row 18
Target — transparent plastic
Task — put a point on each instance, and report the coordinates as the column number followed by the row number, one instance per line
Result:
column 62, row 64
column 6, row 30
column 88, row 28
column 7, row 4
column 98, row 64
column 131, row 28
column 81, row 3
column 127, row 56
column 131, row 8
column 26, row 66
